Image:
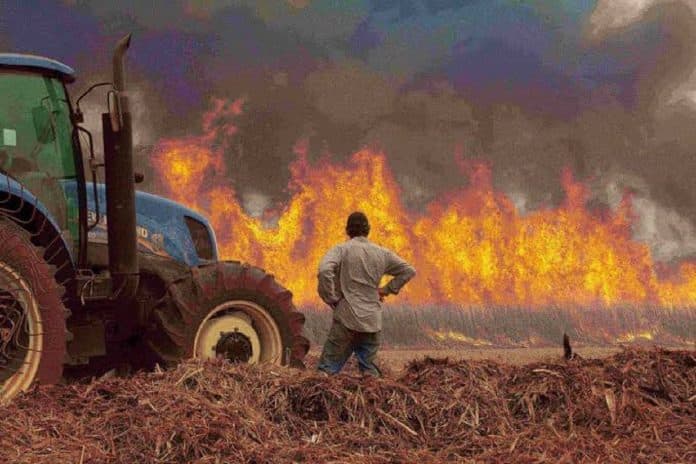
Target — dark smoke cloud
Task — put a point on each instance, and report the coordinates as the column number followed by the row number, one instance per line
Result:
column 662, row 141
column 348, row 92
column 608, row 90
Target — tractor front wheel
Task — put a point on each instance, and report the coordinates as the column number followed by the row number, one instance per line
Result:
column 232, row 311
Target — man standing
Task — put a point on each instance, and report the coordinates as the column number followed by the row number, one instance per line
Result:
column 349, row 278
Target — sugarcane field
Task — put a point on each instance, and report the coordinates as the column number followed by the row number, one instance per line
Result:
column 368, row 231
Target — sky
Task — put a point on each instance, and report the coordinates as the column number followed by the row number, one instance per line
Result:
column 604, row 87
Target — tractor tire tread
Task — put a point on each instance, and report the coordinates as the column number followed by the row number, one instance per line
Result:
column 189, row 300
column 28, row 259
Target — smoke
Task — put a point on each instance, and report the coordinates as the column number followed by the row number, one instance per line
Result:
column 143, row 105
column 4, row 42
column 613, row 15
column 531, row 87
column 421, row 122
column 255, row 203
column 675, row 78
column 313, row 19
column 149, row 123
column 669, row 235
column 350, row 93
column 664, row 201
column 421, row 136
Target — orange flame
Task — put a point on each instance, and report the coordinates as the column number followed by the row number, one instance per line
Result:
column 471, row 246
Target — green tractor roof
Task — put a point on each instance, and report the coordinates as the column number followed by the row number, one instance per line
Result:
column 40, row 63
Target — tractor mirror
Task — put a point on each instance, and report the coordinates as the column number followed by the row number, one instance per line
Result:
column 43, row 125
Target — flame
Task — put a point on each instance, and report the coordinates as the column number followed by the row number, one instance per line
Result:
column 630, row 337
column 454, row 336
column 471, row 246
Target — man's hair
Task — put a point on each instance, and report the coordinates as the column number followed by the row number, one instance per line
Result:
column 357, row 225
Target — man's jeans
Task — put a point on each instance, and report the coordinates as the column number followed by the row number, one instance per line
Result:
column 342, row 342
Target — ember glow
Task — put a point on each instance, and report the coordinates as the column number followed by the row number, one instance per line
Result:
column 471, row 246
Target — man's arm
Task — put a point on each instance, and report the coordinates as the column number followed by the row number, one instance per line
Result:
column 402, row 272
column 328, row 267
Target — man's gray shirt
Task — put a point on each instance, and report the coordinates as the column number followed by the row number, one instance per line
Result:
column 349, row 278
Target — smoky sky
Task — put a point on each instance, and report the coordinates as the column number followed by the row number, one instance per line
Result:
column 606, row 88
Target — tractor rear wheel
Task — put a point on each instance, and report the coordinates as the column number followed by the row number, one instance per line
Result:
column 32, row 315
column 229, row 310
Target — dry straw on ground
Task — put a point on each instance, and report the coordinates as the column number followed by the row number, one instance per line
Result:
column 637, row 406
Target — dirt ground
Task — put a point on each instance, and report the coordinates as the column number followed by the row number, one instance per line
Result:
column 398, row 358
column 394, row 360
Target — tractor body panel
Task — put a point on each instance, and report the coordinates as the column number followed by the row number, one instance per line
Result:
column 164, row 227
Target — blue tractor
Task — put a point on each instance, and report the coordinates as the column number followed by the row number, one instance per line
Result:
column 98, row 275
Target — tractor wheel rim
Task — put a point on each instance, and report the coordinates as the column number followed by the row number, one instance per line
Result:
column 251, row 321
column 21, row 337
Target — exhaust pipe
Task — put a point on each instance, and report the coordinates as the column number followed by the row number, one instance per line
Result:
column 120, row 185
column 117, row 64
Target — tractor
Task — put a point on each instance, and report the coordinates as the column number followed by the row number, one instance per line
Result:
column 96, row 276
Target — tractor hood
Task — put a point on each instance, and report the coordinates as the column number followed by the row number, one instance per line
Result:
column 164, row 227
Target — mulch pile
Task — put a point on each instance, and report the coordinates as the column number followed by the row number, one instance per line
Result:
column 638, row 406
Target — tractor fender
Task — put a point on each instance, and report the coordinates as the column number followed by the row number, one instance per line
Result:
column 21, row 206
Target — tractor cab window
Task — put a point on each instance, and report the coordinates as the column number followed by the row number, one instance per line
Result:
column 36, row 148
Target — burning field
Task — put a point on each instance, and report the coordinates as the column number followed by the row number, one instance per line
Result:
column 471, row 246
column 474, row 249
column 637, row 406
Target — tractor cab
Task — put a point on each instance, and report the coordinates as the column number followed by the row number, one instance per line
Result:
column 39, row 150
